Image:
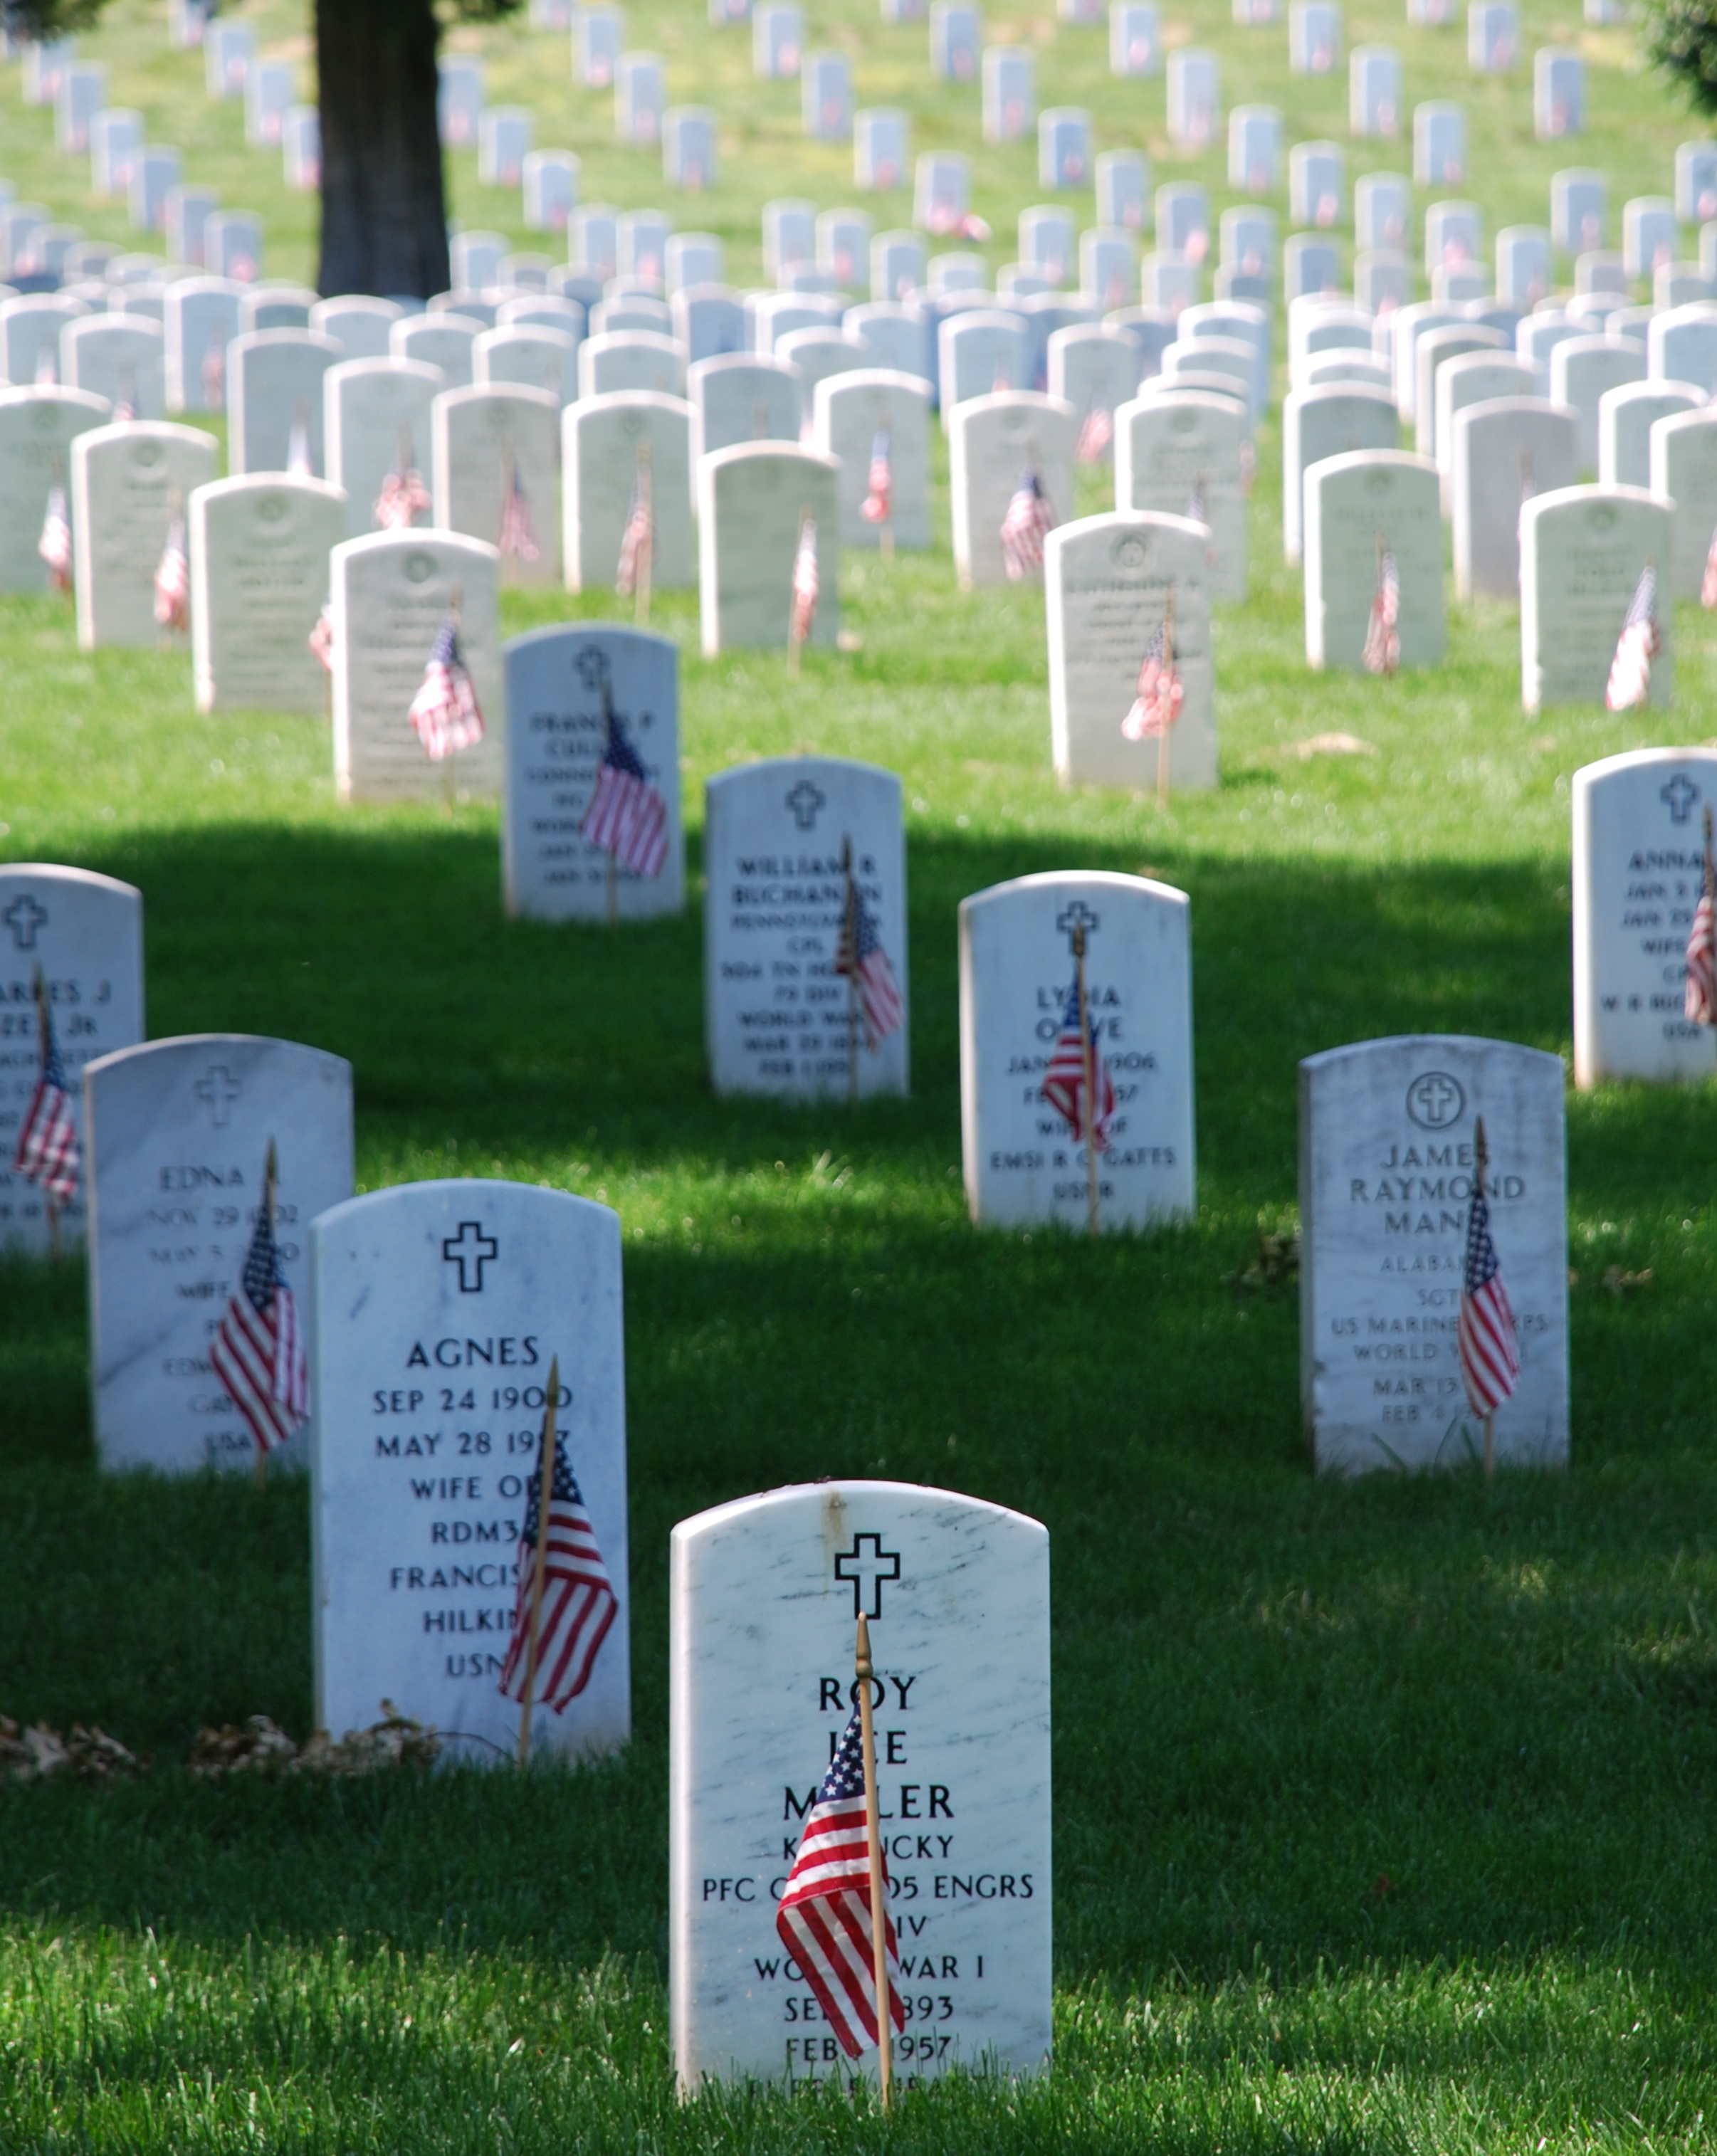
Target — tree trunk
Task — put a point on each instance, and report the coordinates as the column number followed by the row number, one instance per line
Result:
column 384, row 217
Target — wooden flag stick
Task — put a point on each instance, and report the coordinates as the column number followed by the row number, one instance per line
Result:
column 647, row 550
column 849, row 930
column 1087, row 1051
column 794, row 637
column 879, row 1895
column 48, row 1199
column 1164, row 738
column 1480, row 1160
column 545, row 1490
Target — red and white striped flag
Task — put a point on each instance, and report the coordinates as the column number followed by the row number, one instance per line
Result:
column 579, row 1602
column 1064, row 1081
column 1029, row 519
column 404, row 497
column 1382, row 652
column 48, row 1153
column 321, row 637
column 1630, row 683
column 258, row 1352
column 859, row 956
column 518, row 537
column 806, row 583
column 824, row 1916
column 445, row 709
column 172, row 581
column 877, row 506
column 214, row 378
column 54, row 544
column 627, row 816
column 638, row 540
column 1097, row 431
column 1160, row 691
column 1485, row 1334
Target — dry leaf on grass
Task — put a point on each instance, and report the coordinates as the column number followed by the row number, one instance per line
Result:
column 1332, row 745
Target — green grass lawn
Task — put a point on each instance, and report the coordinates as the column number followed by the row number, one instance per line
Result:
column 1385, row 1813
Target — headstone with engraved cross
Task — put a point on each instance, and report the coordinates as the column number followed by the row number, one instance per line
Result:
column 1386, row 1145
column 1024, row 1154
column 764, row 1596
column 84, row 932
column 1638, row 870
column 177, row 1132
column 556, row 682
column 778, row 1016
column 436, row 1310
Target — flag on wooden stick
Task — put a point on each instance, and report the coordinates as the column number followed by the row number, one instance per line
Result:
column 1064, row 1083
column 48, row 1153
column 1382, row 652
column 638, row 540
column 877, row 506
column 1630, row 683
column 172, row 581
column 627, row 816
column 445, row 709
column 54, row 544
column 1030, row 518
column 806, row 581
column 258, row 1352
column 860, row 959
column 1160, row 691
column 404, row 497
column 1700, row 1002
column 824, row 1917
column 1097, row 431
column 1485, row 1334
column 564, row 1607
column 518, row 537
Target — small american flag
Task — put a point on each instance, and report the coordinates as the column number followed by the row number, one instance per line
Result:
column 172, row 581
column 124, row 408
column 638, row 540
column 445, row 709
column 1630, row 682
column 404, row 497
column 859, row 956
column 258, row 1352
column 1097, row 432
column 1029, row 518
column 321, row 637
column 1382, row 652
column 877, row 506
column 824, row 1920
column 579, row 1604
column 1489, row 1352
column 54, row 544
column 1700, row 1002
column 298, row 462
column 47, row 367
column 627, row 816
column 518, row 535
column 1160, row 693
column 1064, row 1082
column 806, row 583
column 214, row 378
column 48, row 1152
column 1197, row 509
column 1708, row 585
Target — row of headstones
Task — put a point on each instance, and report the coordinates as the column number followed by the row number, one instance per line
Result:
column 38, row 254
column 174, row 1132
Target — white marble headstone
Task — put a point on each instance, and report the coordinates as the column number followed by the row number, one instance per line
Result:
column 390, row 593
column 38, row 428
column 765, row 1595
column 992, row 441
column 604, row 442
column 1502, row 453
column 556, row 730
column 1355, row 505
column 260, row 549
column 436, row 1310
column 128, row 483
column 776, row 1013
column 1329, row 422
column 84, row 932
column 1175, row 454
column 377, row 412
column 274, row 381
column 1386, row 1164
column 1638, row 872
column 178, row 1133
column 737, row 397
column 1024, row 1161
column 483, row 438
column 852, row 410
column 1109, row 581
column 1684, row 470
column 1583, row 549
column 753, row 502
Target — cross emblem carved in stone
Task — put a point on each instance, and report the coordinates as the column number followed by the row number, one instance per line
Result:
column 471, row 1249
column 865, row 1566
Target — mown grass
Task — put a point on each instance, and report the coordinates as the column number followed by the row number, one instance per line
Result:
column 1384, row 1814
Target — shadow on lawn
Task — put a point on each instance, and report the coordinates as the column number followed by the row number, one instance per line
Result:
column 1271, row 1694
